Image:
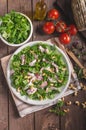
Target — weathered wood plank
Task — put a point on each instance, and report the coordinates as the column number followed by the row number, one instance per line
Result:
column 3, row 102
column 3, row 85
column 44, row 120
column 15, row 122
column 76, row 118
column 3, row 7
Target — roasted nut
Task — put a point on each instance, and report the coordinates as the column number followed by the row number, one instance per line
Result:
column 83, row 105
column 26, row 77
column 84, row 88
column 71, row 86
column 81, row 84
column 29, row 77
column 62, row 98
column 68, row 103
column 66, row 110
column 28, row 80
column 18, row 90
column 43, row 74
column 74, row 88
column 76, row 93
column 77, row 103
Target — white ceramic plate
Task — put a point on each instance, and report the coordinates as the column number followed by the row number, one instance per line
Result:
column 38, row 102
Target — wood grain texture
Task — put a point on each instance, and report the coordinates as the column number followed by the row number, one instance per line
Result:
column 44, row 120
column 3, row 7
column 76, row 117
column 3, row 102
column 15, row 122
column 3, row 85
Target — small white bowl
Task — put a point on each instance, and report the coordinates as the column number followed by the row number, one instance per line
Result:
column 20, row 44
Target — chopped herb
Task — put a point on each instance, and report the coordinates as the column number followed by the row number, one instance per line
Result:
column 57, row 109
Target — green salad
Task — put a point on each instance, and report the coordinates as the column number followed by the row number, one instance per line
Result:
column 14, row 27
column 38, row 72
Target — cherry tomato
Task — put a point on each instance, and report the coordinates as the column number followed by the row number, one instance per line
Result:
column 72, row 29
column 48, row 27
column 64, row 38
column 53, row 14
column 61, row 26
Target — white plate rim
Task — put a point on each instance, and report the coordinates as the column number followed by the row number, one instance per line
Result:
column 26, row 99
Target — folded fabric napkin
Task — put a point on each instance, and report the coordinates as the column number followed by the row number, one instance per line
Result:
column 23, row 108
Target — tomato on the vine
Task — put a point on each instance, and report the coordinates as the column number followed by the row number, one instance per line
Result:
column 61, row 26
column 53, row 14
column 64, row 38
column 48, row 27
column 72, row 29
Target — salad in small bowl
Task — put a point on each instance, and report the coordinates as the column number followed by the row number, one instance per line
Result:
column 15, row 28
column 38, row 73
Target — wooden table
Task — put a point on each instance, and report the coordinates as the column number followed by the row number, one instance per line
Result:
column 41, row 120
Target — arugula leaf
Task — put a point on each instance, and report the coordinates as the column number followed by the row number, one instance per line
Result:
column 42, row 72
column 14, row 27
column 57, row 109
